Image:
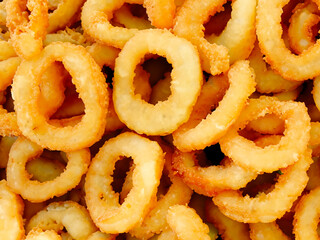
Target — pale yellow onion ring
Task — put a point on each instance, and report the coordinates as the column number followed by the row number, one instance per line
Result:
column 239, row 35
column 279, row 200
column 18, row 178
column 11, row 206
column 269, row 32
column 215, row 125
column 63, row 14
column 161, row 12
column 268, row 81
column 27, row 32
column 266, row 231
column 186, row 223
column 189, row 24
column 210, row 180
column 227, row 228
column 102, row 201
column 95, row 18
column 69, row 215
column 92, row 88
column 300, row 33
column 271, row 158
column 306, row 217
column 124, row 16
column 164, row 117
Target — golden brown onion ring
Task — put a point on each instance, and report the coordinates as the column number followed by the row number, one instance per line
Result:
column 294, row 142
column 212, row 179
column 102, row 201
column 95, row 19
column 269, row 31
column 280, row 198
column 27, row 32
column 59, row 215
column 18, row 178
column 161, row 12
column 240, row 34
column 214, row 125
column 164, row 117
column 300, row 33
column 189, row 24
column 92, row 88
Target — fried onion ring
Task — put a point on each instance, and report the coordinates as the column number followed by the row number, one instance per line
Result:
column 271, row 158
column 269, row 31
column 215, row 124
column 59, row 215
column 27, row 35
column 252, row 210
column 239, row 35
column 189, row 24
column 266, row 231
column 18, row 179
column 102, row 201
column 164, row 117
column 92, row 88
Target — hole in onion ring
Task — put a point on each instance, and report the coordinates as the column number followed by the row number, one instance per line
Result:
column 263, row 183
column 157, row 66
column 119, row 173
column 218, row 22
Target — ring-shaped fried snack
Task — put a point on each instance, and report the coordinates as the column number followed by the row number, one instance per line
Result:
column 27, row 32
column 269, row 31
column 306, row 217
column 212, row 179
column 95, row 18
column 266, row 231
column 216, row 124
column 102, row 201
column 280, row 199
column 20, row 181
column 89, row 82
column 11, row 207
column 164, row 117
column 189, row 24
column 63, row 14
column 59, row 215
column 240, row 33
column 300, row 33
column 186, row 223
column 292, row 145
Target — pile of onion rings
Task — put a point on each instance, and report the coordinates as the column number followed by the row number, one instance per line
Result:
column 159, row 119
